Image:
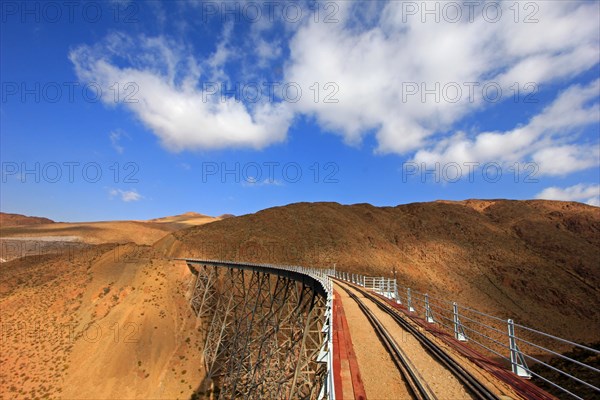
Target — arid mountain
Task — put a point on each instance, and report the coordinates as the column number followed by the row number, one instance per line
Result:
column 117, row 317
column 224, row 216
column 7, row 219
column 92, row 302
column 140, row 232
column 46, row 238
column 535, row 261
column 185, row 220
column 108, row 321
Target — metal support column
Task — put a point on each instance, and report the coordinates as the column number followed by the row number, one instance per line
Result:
column 517, row 360
column 428, row 313
column 459, row 332
column 409, row 301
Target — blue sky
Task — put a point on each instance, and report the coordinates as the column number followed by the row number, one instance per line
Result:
column 135, row 110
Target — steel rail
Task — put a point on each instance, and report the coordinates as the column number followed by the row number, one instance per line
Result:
column 475, row 387
column 419, row 389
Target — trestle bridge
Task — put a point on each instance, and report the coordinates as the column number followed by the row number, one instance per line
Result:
column 280, row 332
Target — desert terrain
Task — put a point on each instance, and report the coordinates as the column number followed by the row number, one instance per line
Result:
column 112, row 311
column 90, row 302
column 22, row 235
column 519, row 259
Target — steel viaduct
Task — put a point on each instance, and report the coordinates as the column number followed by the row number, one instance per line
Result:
column 278, row 332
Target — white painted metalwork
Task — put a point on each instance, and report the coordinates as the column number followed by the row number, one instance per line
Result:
column 486, row 331
column 267, row 328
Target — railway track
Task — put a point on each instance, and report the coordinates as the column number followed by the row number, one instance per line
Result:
column 417, row 386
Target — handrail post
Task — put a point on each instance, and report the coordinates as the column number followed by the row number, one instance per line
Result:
column 409, row 301
column 517, row 361
column 428, row 314
column 396, row 292
column 459, row 333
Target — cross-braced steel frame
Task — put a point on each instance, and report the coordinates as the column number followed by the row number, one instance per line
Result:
column 263, row 329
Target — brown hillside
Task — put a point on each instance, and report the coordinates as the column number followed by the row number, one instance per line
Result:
column 106, row 321
column 7, row 219
column 535, row 261
column 140, row 232
column 184, row 220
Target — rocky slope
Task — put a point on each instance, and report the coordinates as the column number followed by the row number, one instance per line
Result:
column 535, row 261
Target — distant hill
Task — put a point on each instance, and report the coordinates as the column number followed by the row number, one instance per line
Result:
column 139, row 232
column 185, row 220
column 7, row 219
column 536, row 261
column 224, row 216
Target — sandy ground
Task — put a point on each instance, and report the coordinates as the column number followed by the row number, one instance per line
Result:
column 443, row 384
column 112, row 323
column 380, row 376
column 139, row 232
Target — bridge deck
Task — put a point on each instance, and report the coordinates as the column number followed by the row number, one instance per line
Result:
column 314, row 342
column 346, row 372
column 501, row 381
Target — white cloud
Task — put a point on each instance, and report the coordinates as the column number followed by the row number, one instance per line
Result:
column 374, row 65
column 542, row 139
column 372, row 59
column 589, row 194
column 125, row 195
column 115, row 140
column 253, row 182
column 222, row 54
column 167, row 98
column 267, row 51
column 563, row 160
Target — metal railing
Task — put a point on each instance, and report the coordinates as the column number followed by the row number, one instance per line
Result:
column 326, row 353
column 322, row 276
column 492, row 334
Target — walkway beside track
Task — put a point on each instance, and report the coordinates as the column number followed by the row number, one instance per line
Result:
column 275, row 332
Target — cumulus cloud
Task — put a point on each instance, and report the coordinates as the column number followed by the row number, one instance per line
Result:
column 540, row 139
column 125, row 195
column 384, row 69
column 380, row 70
column 160, row 83
column 586, row 193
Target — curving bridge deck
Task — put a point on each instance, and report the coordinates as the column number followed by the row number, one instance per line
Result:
column 267, row 330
